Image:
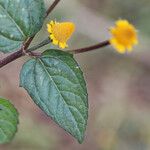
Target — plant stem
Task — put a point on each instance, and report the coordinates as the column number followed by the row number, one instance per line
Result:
column 43, row 43
column 20, row 52
column 52, row 7
column 11, row 58
column 27, row 44
column 90, row 48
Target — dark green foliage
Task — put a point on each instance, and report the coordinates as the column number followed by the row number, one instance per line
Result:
column 19, row 19
column 56, row 84
column 8, row 121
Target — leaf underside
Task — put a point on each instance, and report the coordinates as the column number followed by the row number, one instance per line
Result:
column 8, row 121
column 19, row 19
column 56, row 84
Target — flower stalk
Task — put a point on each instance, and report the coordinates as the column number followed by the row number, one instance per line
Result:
column 43, row 43
column 90, row 48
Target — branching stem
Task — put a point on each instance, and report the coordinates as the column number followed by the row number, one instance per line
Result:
column 24, row 48
column 25, row 51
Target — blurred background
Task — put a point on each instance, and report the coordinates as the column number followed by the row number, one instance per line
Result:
column 118, row 85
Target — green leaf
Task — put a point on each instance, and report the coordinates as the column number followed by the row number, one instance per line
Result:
column 56, row 84
column 19, row 19
column 8, row 121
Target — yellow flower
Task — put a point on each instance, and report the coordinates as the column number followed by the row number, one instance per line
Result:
column 60, row 33
column 124, row 36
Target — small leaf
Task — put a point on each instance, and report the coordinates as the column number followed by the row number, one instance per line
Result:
column 56, row 84
column 19, row 19
column 8, row 121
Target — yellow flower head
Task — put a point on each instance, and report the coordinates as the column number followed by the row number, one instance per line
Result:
column 124, row 36
column 60, row 33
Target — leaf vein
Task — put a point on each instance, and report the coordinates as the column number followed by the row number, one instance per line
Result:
column 13, row 20
column 42, row 63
